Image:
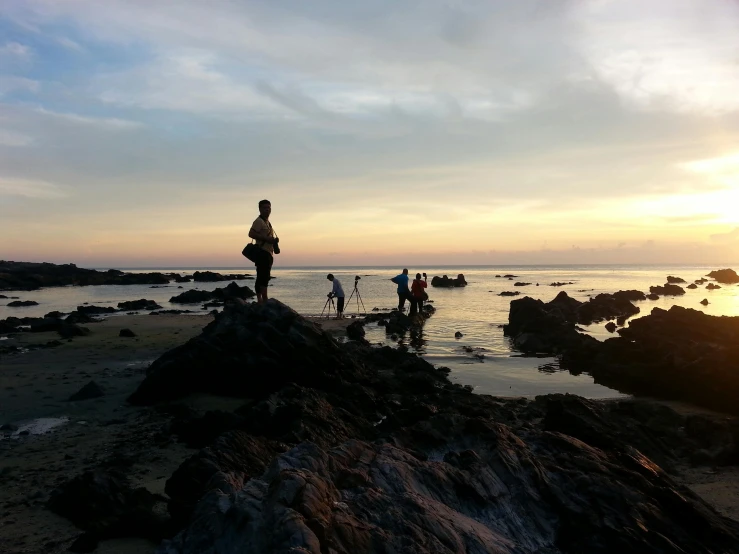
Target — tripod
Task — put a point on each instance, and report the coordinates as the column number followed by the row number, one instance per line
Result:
column 329, row 300
column 359, row 297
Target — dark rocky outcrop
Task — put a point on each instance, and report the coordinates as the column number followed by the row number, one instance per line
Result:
column 724, row 276
column 712, row 286
column 22, row 303
column 679, row 354
column 80, row 317
column 705, row 302
column 536, row 327
column 398, row 323
column 560, row 284
column 93, row 310
column 231, row 291
column 692, row 286
column 630, row 295
column 127, row 333
column 448, row 282
column 68, row 330
column 348, row 448
column 667, row 290
column 521, row 284
column 142, row 304
column 607, row 306
column 579, row 481
column 45, row 324
column 89, row 391
column 104, row 504
column 6, row 327
column 675, row 280
column 509, row 293
column 32, row 276
column 212, row 277
column 355, row 330
column 247, row 351
column 191, row 297
column 652, row 296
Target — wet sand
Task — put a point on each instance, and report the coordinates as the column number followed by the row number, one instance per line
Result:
column 108, row 431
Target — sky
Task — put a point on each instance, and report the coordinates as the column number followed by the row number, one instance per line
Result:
column 143, row 134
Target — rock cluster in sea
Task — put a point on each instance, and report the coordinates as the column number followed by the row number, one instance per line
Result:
column 448, row 282
column 231, row 291
column 724, row 276
column 678, row 353
column 347, row 448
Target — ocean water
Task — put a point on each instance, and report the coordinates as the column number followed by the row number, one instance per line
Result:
column 482, row 357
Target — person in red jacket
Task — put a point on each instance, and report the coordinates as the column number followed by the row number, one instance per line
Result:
column 418, row 293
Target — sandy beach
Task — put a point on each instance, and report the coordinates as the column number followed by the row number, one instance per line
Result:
column 106, row 431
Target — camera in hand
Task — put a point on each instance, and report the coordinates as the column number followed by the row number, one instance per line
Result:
column 276, row 246
column 357, row 277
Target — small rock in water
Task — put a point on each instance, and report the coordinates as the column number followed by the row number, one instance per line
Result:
column 458, row 335
column 126, row 333
column 704, row 302
column 22, row 303
column 610, row 326
column 89, row 391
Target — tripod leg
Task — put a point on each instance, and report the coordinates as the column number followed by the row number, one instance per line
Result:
column 359, row 299
column 324, row 308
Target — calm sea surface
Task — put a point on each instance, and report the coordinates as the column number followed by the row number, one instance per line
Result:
column 482, row 357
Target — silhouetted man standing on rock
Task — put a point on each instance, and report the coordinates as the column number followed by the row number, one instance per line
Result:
column 403, row 292
column 262, row 232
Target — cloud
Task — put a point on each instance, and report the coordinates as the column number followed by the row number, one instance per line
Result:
column 12, row 83
column 15, row 51
column 544, row 117
column 11, row 138
column 726, row 238
column 41, row 190
column 104, row 122
column 677, row 55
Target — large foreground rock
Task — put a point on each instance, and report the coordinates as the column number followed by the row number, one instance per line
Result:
column 454, row 483
column 347, row 448
column 248, row 351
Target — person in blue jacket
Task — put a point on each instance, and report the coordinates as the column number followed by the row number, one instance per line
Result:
column 403, row 292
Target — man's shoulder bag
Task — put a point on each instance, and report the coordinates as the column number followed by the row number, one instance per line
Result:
column 252, row 252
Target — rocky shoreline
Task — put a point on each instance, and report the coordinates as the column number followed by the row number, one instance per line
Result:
column 29, row 276
column 307, row 444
